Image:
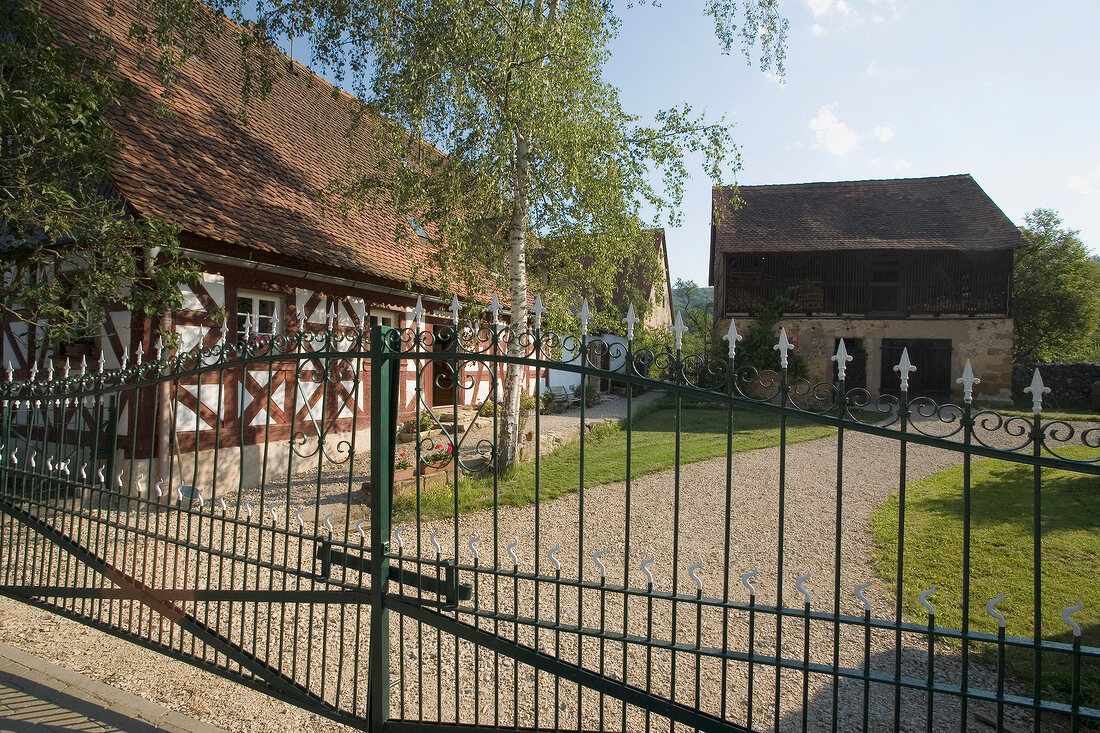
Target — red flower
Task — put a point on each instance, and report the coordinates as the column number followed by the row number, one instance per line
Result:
column 450, row 448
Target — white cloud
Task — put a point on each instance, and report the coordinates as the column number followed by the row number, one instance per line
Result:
column 901, row 165
column 819, row 7
column 872, row 69
column 1082, row 185
column 843, row 7
column 883, row 132
column 832, row 134
column 818, row 30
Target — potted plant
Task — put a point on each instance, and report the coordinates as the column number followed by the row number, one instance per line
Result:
column 437, row 460
column 526, row 408
column 402, row 467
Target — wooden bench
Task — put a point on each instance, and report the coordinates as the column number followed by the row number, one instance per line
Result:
column 564, row 396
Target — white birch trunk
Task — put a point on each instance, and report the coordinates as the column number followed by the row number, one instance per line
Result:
column 517, row 287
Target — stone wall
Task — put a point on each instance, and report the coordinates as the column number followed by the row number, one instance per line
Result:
column 1070, row 384
column 986, row 342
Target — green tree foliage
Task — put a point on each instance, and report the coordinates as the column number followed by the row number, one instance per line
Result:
column 696, row 305
column 68, row 248
column 1055, row 292
column 688, row 294
column 758, row 347
column 536, row 144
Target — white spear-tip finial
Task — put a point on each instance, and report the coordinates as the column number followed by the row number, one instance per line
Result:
column 841, row 358
column 1037, row 390
column 331, row 315
column 904, row 368
column 139, row 353
column 783, row 347
column 11, row 370
column 301, row 320
column 631, row 320
column 538, row 309
column 274, row 324
column 160, row 346
column 102, row 362
column 455, row 309
column 733, row 337
column 585, row 315
column 494, row 310
column 968, row 380
column 679, row 328
column 418, row 313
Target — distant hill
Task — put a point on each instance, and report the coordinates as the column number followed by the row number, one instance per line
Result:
column 687, row 295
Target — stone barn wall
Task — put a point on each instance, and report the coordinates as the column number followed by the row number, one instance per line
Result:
column 986, row 342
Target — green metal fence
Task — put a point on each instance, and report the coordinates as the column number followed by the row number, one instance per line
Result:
column 700, row 562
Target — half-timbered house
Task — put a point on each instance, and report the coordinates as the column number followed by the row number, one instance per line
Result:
column 244, row 181
column 918, row 263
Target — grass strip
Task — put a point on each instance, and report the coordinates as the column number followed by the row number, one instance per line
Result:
column 1002, row 559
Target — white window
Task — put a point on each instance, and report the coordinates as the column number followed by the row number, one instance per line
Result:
column 258, row 313
column 383, row 318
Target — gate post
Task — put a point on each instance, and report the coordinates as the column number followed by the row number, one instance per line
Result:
column 383, row 428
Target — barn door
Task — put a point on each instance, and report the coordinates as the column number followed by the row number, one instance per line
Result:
column 933, row 379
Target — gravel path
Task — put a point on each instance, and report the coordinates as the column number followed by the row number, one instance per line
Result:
column 674, row 539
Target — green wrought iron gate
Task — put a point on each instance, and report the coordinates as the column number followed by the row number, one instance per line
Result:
column 323, row 533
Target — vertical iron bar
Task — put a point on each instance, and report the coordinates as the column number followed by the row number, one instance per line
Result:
column 968, row 435
column 836, row 558
column 899, row 580
column 931, row 669
column 784, row 389
column 1037, row 568
column 805, row 666
column 383, row 428
column 730, row 377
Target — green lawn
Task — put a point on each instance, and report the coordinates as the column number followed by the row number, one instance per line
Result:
column 1002, row 558
column 703, row 436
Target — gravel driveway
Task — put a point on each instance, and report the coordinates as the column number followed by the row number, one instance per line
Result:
column 870, row 476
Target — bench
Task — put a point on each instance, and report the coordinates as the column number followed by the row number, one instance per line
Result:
column 564, row 396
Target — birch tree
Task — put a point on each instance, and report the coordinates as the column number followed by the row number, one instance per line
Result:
column 505, row 131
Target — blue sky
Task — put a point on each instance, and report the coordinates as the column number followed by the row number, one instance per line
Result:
column 1008, row 92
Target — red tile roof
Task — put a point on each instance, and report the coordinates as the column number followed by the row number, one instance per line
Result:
column 255, row 185
column 946, row 212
